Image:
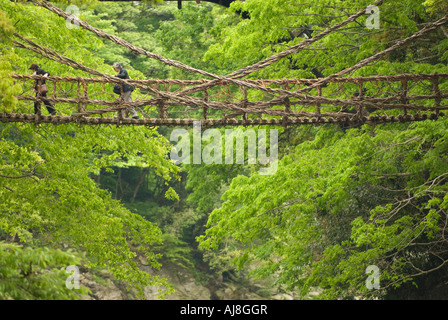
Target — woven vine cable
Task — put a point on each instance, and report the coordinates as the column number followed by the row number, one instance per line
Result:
column 245, row 71
column 428, row 28
column 122, row 42
column 380, row 78
column 51, row 54
column 261, row 107
column 399, row 44
column 297, row 48
column 294, row 49
column 340, row 117
column 259, row 65
column 305, row 99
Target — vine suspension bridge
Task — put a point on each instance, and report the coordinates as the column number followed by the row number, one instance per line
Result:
column 231, row 100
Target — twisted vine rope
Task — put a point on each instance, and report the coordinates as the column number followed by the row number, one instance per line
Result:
column 239, row 73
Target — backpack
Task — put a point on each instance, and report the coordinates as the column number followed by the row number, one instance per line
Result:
column 126, row 88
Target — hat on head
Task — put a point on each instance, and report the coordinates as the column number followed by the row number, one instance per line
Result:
column 34, row 67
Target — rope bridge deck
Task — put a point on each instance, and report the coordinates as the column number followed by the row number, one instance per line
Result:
column 349, row 101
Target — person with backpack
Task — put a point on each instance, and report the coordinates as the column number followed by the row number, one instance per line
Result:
column 41, row 90
column 126, row 93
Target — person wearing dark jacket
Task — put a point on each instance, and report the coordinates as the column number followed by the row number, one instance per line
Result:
column 126, row 93
column 38, row 71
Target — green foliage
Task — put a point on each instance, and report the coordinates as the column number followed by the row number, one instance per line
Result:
column 48, row 196
column 134, row 22
column 275, row 25
column 342, row 199
column 183, row 35
column 6, row 29
column 297, row 233
column 176, row 251
column 7, row 88
column 436, row 6
column 189, row 34
column 48, row 193
column 207, row 183
column 35, row 274
column 177, row 227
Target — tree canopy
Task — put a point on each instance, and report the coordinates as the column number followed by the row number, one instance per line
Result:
column 342, row 199
column 48, row 195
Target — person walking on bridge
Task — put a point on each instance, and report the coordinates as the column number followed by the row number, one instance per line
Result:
column 126, row 93
column 40, row 88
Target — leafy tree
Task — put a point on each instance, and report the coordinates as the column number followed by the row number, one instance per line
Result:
column 183, row 35
column 188, row 36
column 275, row 25
column 33, row 274
column 48, row 196
column 303, row 234
column 135, row 22
column 342, row 199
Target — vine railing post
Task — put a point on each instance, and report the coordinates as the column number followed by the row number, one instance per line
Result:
column 39, row 99
column 85, row 96
column 319, row 94
column 82, row 97
column 78, row 93
column 53, row 94
column 404, row 94
column 361, row 97
column 285, row 110
column 161, row 106
column 120, row 111
column 204, row 108
column 244, row 101
column 436, row 89
column 287, row 103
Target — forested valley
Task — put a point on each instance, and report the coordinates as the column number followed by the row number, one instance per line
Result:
column 110, row 201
